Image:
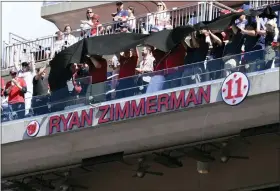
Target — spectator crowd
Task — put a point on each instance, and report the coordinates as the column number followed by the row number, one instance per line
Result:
column 251, row 44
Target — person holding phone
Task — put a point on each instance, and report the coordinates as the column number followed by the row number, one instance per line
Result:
column 69, row 39
column 15, row 90
column 121, row 16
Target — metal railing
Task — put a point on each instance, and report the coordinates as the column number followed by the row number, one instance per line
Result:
column 262, row 3
column 85, row 93
column 47, row 3
column 43, row 47
column 192, row 14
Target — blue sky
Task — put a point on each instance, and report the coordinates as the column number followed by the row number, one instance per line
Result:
column 24, row 19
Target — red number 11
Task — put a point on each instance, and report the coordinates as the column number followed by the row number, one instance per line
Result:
column 230, row 84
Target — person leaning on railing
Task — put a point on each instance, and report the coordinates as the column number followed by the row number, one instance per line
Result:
column 96, row 26
column 91, row 26
column 87, row 24
column 69, row 39
column 58, row 44
column 119, row 17
column 131, row 20
column 145, row 67
column 161, row 18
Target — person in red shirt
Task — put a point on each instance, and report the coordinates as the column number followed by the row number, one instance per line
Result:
column 80, row 78
column 2, row 86
column 172, row 64
column 98, row 73
column 168, row 67
column 96, row 26
column 15, row 90
column 128, row 62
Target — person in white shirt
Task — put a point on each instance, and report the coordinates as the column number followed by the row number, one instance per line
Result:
column 147, row 64
column 145, row 67
column 58, row 44
column 27, row 73
column 87, row 24
column 160, row 19
column 131, row 20
column 241, row 22
column 69, row 39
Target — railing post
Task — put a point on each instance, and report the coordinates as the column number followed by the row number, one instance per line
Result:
column 147, row 22
column 198, row 13
column 3, row 60
column 210, row 11
column 204, row 11
column 10, row 38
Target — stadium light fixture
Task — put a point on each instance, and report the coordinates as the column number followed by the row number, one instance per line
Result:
column 202, row 167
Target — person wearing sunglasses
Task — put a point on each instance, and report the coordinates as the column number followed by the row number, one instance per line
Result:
column 87, row 24
column 15, row 90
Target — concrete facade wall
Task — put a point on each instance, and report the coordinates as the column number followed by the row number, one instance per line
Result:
column 137, row 135
column 263, row 167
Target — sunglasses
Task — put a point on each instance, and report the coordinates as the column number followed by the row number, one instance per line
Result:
column 159, row 5
column 89, row 12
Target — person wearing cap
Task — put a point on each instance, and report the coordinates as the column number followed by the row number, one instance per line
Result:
column 27, row 73
column 15, row 90
column 120, row 16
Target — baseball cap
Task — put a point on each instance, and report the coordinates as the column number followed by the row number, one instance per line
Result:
column 24, row 64
column 245, row 7
column 13, row 71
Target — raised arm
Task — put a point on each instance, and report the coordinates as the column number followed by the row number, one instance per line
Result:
column 276, row 34
column 16, row 60
column 215, row 38
column 39, row 74
column 32, row 63
column 259, row 31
